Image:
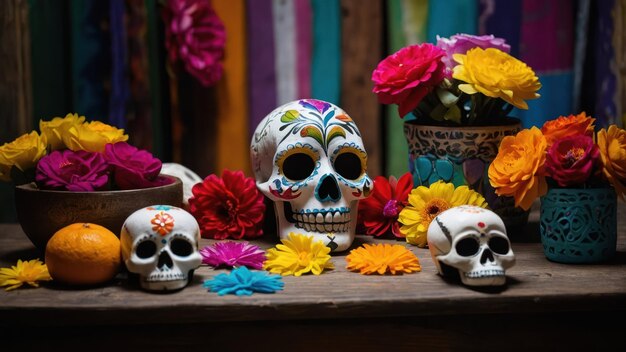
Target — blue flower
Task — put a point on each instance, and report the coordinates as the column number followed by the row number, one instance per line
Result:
column 243, row 282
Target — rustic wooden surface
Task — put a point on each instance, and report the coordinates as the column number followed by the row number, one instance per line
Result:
column 543, row 305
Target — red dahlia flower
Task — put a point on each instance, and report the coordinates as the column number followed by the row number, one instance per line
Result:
column 571, row 160
column 405, row 77
column 228, row 207
column 379, row 212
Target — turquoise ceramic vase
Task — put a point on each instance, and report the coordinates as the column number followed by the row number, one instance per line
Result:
column 579, row 225
column 462, row 155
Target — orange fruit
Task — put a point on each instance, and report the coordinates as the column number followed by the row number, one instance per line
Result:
column 83, row 254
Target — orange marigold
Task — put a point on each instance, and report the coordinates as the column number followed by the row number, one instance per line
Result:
column 565, row 126
column 382, row 258
column 518, row 169
column 612, row 145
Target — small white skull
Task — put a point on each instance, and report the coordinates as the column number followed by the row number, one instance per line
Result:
column 309, row 159
column 472, row 240
column 188, row 177
column 160, row 243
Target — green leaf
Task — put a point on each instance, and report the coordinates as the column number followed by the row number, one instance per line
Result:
column 335, row 132
column 446, row 97
column 453, row 114
column 289, row 116
column 313, row 132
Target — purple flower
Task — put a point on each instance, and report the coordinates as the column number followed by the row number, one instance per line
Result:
column 461, row 43
column 132, row 168
column 233, row 254
column 77, row 171
column 571, row 160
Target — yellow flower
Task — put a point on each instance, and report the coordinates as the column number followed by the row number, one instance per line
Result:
column 425, row 203
column 496, row 74
column 92, row 136
column 382, row 258
column 612, row 145
column 57, row 127
column 518, row 169
column 299, row 254
column 23, row 153
column 28, row 272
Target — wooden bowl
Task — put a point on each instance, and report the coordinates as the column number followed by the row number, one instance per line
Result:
column 42, row 212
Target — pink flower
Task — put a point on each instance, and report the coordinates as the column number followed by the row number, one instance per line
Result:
column 571, row 160
column 461, row 43
column 232, row 254
column 228, row 207
column 195, row 35
column 405, row 77
column 378, row 213
column 132, row 168
column 77, row 171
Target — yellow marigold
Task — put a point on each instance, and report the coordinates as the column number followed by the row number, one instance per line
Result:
column 612, row 145
column 565, row 126
column 382, row 258
column 57, row 127
column 425, row 203
column 496, row 74
column 23, row 153
column 28, row 272
column 518, row 169
column 297, row 255
column 92, row 136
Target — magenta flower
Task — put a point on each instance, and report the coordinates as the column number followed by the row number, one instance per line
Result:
column 405, row 77
column 195, row 35
column 132, row 168
column 571, row 160
column 76, row 171
column 461, row 43
column 232, row 254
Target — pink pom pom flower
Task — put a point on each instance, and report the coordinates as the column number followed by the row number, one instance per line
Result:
column 233, row 254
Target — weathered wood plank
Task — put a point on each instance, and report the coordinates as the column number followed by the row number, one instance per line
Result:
column 362, row 46
column 535, row 285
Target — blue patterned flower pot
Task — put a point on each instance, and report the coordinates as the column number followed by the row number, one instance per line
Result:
column 462, row 155
column 579, row 225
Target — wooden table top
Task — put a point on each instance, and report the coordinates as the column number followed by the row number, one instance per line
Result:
column 534, row 284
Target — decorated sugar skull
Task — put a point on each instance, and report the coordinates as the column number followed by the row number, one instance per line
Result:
column 309, row 159
column 473, row 241
column 160, row 243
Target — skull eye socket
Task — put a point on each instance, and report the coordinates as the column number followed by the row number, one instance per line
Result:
column 499, row 245
column 348, row 165
column 146, row 249
column 298, row 166
column 467, row 247
column 181, row 247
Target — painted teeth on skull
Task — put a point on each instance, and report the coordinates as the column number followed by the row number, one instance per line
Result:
column 322, row 221
column 160, row 277
column 484, row 273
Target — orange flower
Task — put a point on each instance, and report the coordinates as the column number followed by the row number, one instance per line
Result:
column 612, row 144
column 518, row 169
column 163, row 223
column 565, row 126
column 382, row 258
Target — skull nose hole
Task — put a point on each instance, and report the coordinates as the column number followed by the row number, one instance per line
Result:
column 165, row 260
column 328, row 189
column 486, row 256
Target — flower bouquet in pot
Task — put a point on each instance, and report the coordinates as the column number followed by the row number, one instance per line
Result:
column 460, row 93
column 78, row 171
column 577, row 173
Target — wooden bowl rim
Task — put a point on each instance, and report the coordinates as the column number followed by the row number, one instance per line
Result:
column 32, row 187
